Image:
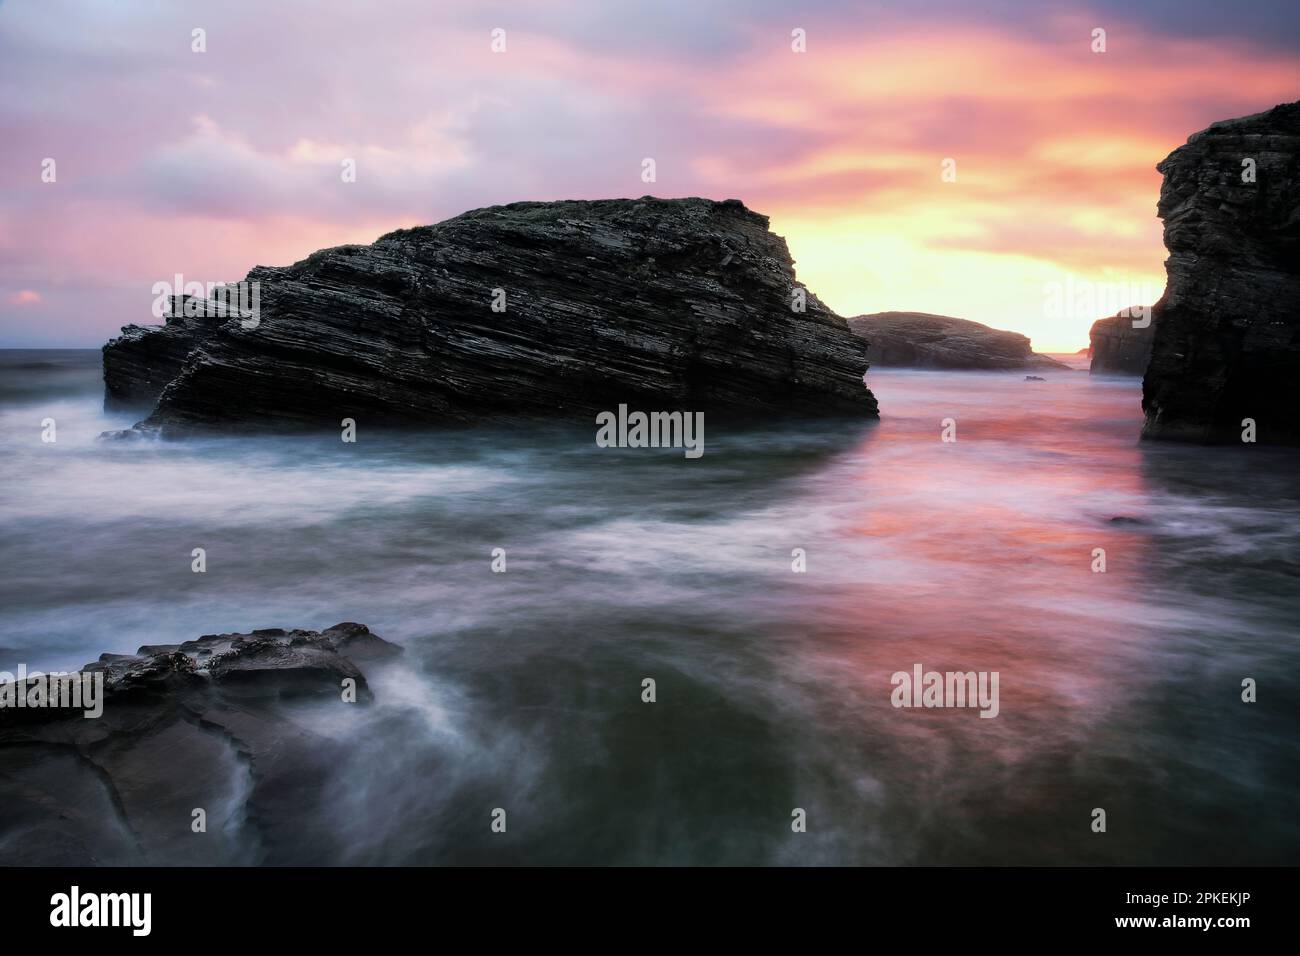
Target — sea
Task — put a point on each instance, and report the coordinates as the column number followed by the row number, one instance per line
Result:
column 655, row 659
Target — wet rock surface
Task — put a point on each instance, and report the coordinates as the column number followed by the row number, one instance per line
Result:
column 1227, row 337
column 1119, row 347
column 661, row 304
column 921, row 340
column 242, row 726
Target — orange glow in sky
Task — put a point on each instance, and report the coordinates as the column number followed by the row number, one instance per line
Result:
column 210, row 164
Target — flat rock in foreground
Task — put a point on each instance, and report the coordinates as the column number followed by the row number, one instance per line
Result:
column 237, row 725
column 922, row 340
column 1227, row 331
column 660, row 304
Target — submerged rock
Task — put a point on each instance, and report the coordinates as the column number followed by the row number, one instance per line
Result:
column 235, row 725
column 659, row 303
column 921, row 340
column 1227, row 337
column 1119, row 347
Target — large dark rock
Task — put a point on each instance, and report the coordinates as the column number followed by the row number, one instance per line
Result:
column 921, row 340
column 242, row 726
column 140, row 362
column 661, row 304
column 1227, row 339
column 1118, row 346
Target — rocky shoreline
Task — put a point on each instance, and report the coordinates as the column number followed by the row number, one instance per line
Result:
column 1226, row 347
column 220, row 725
column 562, row 310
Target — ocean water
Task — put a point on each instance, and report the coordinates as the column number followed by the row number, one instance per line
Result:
column 1118, row 690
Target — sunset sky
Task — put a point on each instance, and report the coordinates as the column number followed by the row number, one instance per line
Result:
column 210, row 163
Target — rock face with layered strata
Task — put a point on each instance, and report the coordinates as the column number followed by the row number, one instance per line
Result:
column 140, row 362
column 1227, row 336
column 1118, row 346
column 660, row 304
column 922, row 340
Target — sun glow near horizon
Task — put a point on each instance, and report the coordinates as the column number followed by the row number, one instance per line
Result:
column 856, row 270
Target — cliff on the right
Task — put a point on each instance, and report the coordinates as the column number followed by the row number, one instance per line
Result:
column 1227, row 330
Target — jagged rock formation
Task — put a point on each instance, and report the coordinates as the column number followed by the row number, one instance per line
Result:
column 921, row 340
column 1120, row 348
column 226, row 723
column 140, row 362
column 1227, row 339
column 662, row 304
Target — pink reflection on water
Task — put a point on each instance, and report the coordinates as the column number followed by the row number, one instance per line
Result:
column 977, row 555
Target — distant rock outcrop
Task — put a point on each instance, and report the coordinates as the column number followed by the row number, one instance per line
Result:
column 224, row 723
column 921, row 340
column 531, row 310
column 1227, row 337
column 1120, row 347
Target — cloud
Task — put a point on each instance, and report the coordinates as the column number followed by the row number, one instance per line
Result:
column 207, row 164
column 24, row 297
